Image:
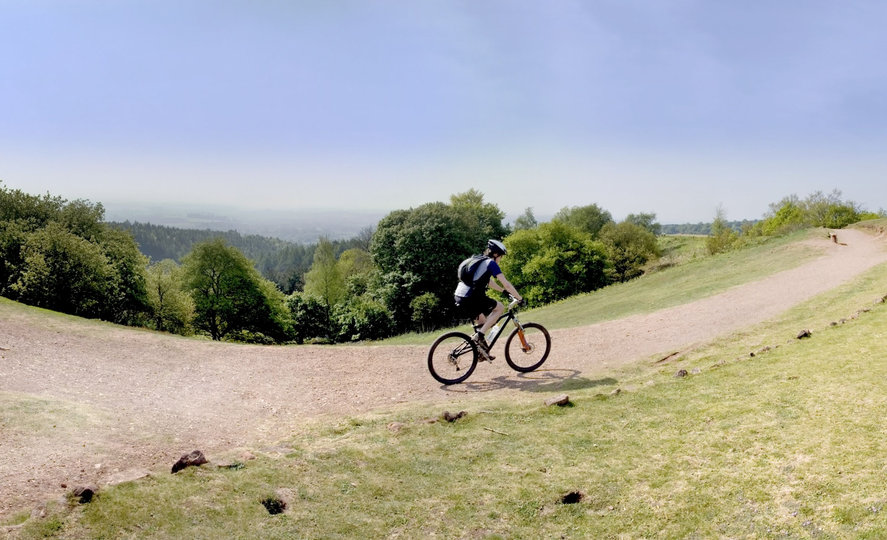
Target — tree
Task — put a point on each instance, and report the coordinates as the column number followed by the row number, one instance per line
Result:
column 324, row 280
column 590, row 218
column 722, row 237
column 62, row 256
column 417, row 252
column 629, row 247
column 647, row 221
column 482, row 220
column 554, row 261
column 353, row 262
column 126, row 297
column 361, row 318
column 63, row 272
column 229, row 294
column 525, row 221
column 171, row 308
column 309, row 317
column 424, row 307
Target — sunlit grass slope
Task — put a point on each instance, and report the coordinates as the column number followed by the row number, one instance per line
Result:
column 786, row 442
column 693, row 276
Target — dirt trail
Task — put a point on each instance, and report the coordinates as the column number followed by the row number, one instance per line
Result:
column 112, row 400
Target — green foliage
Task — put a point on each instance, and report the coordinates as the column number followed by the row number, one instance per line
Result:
column 324, row 280
column 424, row 307
column 354, row 262
column 229, row 294
column 361, row 318
column 126, row 300
column 554, row 261
column 417, row 252
column 525, row 221
column 171, row 307
column 481, row 220
column 13, row 235
column 282, row 262
column 309, row 317
column 62, row 272
column 590, row 219
column 817, row 210
column 785, row 217
column 61, row 256
column 645, row 220
column 629, row 248
column 722, row 237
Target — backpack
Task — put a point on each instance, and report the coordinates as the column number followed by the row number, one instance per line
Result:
column 468, row 267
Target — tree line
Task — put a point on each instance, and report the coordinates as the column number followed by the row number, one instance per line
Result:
column 285, row 263
column 791, row 214
column 396, row 278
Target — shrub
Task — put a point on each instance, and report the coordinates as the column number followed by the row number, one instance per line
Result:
column 554, row 261
column 362, row 319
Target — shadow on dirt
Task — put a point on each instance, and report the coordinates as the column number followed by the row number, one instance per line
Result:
column 542, row 380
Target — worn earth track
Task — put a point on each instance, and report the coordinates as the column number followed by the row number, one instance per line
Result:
column 107, row 401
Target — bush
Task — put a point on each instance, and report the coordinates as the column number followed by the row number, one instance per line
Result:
column 629, row 248
column 362, row 319
column 309, row 317
column 424, row 308
column 554, row 261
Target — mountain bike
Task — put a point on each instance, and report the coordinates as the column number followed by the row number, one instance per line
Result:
column 454, row 355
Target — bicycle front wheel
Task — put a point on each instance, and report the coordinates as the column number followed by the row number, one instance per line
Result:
column 527, row 347
column 452, row 358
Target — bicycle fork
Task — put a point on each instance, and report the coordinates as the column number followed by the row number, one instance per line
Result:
column 524, row 345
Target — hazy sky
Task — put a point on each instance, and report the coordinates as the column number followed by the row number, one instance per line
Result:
column 666, row 106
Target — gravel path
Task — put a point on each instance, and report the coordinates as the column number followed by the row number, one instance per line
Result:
column 109, row 402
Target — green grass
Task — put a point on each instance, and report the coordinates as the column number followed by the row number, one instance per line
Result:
column 693, row 276
column 789, row 442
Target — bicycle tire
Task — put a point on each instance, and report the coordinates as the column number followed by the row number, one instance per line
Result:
column 452, row 358
column 537, row 338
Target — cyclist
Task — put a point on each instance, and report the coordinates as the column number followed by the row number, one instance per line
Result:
column 473, row 301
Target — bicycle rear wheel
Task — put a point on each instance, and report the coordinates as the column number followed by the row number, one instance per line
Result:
column 452, row 358
column 527, row 353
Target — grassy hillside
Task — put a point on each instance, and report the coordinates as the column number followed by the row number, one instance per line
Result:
column 787, row 442
column 685, row 274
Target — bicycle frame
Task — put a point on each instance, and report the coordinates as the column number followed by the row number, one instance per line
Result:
column 510, row 315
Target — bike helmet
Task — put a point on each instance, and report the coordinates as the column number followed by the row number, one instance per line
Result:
column 496, row 247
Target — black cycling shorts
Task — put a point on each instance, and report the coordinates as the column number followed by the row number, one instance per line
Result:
column 474, row 305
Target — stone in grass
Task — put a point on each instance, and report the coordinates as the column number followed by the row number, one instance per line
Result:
column 194, row 459
column 561, row 401
column 804, row 334
column 681, row 373
column 450, row 417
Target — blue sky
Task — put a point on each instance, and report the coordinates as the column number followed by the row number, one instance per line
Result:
column 673, row 107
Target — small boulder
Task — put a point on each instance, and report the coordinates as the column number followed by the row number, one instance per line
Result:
column 561, row 401
column 804, row 334
column 395, row 427
column 450, row 417
column 194, row 459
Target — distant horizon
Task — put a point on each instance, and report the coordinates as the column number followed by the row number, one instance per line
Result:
column 675, row 108
column 299, row 226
